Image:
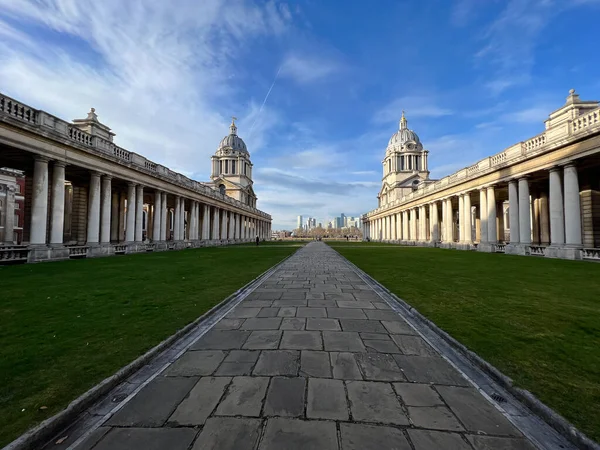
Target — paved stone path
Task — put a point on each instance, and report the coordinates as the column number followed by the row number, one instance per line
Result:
column 312, row 359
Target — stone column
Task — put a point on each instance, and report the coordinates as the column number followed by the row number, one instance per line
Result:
column 196, row 220
column 216, row 234
column 524, row 213
column 224, row 224
column 467, row 236
column 535, row 220
column 164, row 216
column 93, row 221
column 182, row 227
column 58, row 205
column 491, row 218
column 105, row 209
column 177, row 219
column 435, row 222
column 130, row 227
column 448, row 221
column 205, row 222
column 139, row 212
column 156, row 220
column 513, row 213
column 236, row 233
column 544, row 219
column 572, row 207
column 114, row 217
column 9, row 214
column 461, row 219
column 39, row 202
column 483, row 227
column 413, row 224
column 557, row 219
column 443, row 235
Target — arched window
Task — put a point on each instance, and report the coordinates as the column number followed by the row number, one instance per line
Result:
column 389, row 165
column 222, row 189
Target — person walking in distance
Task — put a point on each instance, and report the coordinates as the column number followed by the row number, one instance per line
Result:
column 257, row 240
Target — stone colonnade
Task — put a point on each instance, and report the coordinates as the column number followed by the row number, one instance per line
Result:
column 125, row 217
column 545, row 218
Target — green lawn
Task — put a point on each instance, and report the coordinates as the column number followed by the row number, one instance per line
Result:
column 65, row 326
column 537, row 320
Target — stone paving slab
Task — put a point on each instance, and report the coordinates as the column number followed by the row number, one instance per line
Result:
column 311, row 359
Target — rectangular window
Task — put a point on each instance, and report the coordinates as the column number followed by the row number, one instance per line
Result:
column 233, row 167
column 220, row 167
column 226, row 166
column 16, row 224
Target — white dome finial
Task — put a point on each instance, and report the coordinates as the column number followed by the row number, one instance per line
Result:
column 403, row 123
column 232, row 127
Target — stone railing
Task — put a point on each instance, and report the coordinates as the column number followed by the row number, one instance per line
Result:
column 78, row 252
column 13, row 254
column 18, row 110
column 589, row 122
column 537, row 250
column 48, row 123
column 80, row 136
column 591, row 253
column 150, row 247
column 586, row 121
column 120, row 249
column 534, row 143
column 499, row 248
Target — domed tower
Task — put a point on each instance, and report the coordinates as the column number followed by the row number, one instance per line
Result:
column 232, row 169
column 404, row 166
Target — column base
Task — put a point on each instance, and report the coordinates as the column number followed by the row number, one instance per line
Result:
column 486, row 247
column 573, row 253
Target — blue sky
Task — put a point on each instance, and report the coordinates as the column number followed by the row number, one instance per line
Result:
column 474, row 76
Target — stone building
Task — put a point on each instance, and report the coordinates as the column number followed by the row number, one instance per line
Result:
column 85, row 196
column 404, row 165
column 538, row 197
column 232, row 169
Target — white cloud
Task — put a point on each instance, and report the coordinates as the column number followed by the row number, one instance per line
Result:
column 308, row 69
column 414, row 106
column 156, row 74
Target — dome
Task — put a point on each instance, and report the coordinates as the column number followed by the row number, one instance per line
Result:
column 232, row 141
column 404, row 136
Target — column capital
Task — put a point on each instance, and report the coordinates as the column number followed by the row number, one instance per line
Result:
column 131, row 184
column 59, row 164
column 95, row 173
column 555, row 169
column 107, row 177
column 41, row 158
column 570, row 164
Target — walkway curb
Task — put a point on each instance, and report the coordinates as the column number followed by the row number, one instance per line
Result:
column 551, row 417
column 41, row 434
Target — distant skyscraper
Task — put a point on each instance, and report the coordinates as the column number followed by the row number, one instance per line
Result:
column 299, row 223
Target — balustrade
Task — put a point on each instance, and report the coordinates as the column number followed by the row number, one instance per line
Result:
column 586, row 121
column 13, row 254
column 78, row 251
column 591, row 253
column 18, row 110
column 79, row 136
column 537, row 250
column 534, row 143
column 499, row 248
